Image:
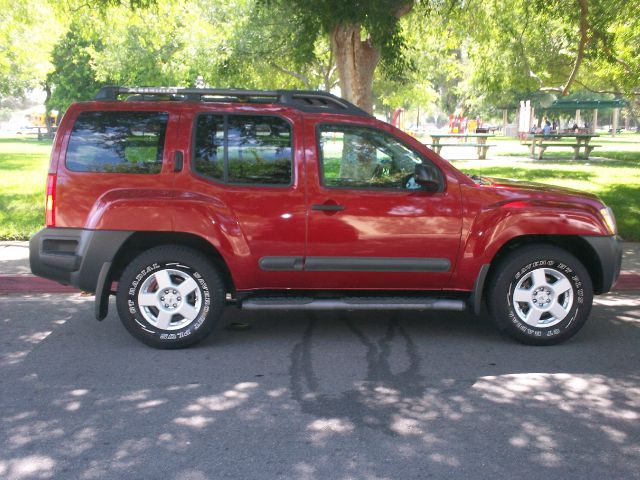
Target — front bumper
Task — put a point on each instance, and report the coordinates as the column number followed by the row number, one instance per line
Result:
column 608, row 251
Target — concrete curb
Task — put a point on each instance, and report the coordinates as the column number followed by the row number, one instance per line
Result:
column 627, row 281
column 9, row 284
column 31, row 284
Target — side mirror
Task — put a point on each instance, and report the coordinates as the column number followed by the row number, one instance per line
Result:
column 426, row 178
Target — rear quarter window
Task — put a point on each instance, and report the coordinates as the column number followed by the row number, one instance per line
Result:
column 117, row 142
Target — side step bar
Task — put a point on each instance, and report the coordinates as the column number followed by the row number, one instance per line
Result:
column 352, row 303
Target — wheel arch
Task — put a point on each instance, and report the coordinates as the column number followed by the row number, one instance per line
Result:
column 138, row 242
column 574, row 244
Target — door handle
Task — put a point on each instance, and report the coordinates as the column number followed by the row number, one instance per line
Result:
column 178, row 161
column 328, row 207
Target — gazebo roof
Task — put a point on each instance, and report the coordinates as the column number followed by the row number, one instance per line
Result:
column 586, row 104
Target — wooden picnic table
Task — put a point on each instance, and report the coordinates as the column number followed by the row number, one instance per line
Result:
column 43, row 132
column 479, row 140
column 543, row 141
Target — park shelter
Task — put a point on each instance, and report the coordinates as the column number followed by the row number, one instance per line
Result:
column 595, row 105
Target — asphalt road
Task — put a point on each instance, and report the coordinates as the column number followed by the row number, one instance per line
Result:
column 300, row 396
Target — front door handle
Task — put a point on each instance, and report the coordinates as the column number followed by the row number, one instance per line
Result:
column 328, row 207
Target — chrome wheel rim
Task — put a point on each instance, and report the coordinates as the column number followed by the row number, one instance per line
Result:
column 543, row 297
column 170, row 299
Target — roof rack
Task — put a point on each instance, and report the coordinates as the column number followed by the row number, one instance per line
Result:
column 314, row 101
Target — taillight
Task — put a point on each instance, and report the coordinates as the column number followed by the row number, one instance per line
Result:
column 50, row 201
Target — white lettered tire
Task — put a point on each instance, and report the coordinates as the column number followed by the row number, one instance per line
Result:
column 170, row 297
column 540, row 295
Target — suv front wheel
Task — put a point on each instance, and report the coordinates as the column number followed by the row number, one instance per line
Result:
column 541, row 295
column 170, row 297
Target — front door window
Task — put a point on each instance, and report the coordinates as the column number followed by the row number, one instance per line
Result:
column 361, row 157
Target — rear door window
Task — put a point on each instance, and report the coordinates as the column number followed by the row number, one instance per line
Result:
column 117, row 142
column 244, row 149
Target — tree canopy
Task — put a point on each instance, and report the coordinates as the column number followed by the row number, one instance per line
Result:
column 440, row 55
column 28, row 31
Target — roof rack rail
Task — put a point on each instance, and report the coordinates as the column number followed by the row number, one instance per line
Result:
column 304, row 100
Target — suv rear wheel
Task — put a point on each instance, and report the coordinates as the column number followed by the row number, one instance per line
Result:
column 540, row 295
column 170, row 297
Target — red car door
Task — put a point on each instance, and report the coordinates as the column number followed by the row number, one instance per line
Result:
column 370, row 225
column 241, row 189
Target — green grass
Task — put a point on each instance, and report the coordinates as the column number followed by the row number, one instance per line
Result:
column 23, row 174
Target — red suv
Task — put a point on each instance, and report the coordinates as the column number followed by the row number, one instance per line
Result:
column 182, row 201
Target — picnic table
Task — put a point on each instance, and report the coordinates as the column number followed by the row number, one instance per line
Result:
column 576, row 141
column 478, row 140
column 44, row 132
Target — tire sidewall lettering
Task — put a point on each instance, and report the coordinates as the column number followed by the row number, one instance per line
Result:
column 578, row 292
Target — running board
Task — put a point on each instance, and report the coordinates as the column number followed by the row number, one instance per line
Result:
column 352, row 303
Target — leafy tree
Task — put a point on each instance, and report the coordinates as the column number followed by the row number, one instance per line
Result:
column 146, row 47
column 27, row 33
column 482, row 56
column 475, row 54
column 433, row 49
column 73, row 77
column 550, row 46
column 616, row 70
column 262, row 52
column 361, row 35
column 164, row 44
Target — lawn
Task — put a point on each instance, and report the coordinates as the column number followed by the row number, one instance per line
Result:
column 613, row 174
column 23, row 173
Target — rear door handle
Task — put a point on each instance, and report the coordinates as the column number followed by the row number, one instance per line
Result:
column 178, row 161
column 327, row 207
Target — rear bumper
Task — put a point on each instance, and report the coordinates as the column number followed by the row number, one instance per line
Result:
column 74, row 256
column 608, row 251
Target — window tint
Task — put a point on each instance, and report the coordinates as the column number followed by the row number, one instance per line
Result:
column 209, row 149
column 258, row 149
column 360, row 157
column 117, row 142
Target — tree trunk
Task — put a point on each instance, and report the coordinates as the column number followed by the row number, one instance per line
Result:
column 584, row 39
column 47, row 114
column 356, row 60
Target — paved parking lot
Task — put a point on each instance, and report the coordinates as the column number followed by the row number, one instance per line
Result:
column 308, row 396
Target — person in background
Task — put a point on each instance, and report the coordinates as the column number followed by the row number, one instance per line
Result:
column 546, row 130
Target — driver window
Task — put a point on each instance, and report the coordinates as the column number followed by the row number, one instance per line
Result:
column 361, row 157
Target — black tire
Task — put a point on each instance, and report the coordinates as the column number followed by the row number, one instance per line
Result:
column 141, row 299
column 540, row 295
